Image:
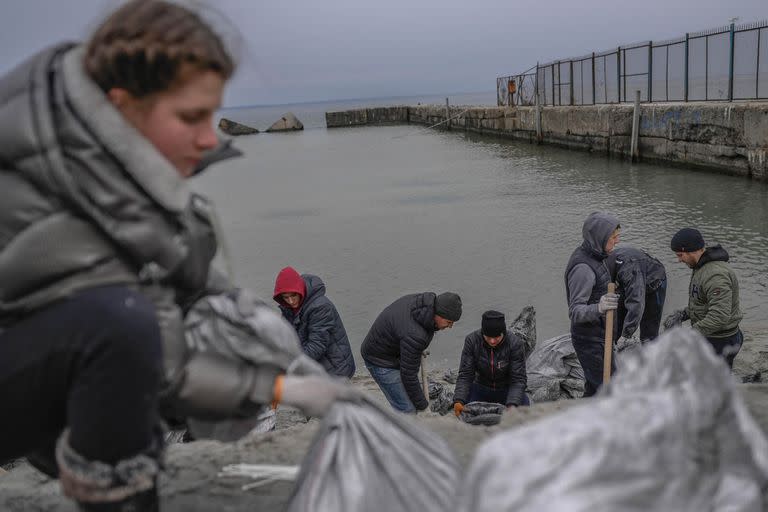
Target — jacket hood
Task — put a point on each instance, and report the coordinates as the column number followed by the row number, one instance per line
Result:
column 714, row 253
column 423, row 310
column 314, row 286
column 596, row 231
column 289, row 281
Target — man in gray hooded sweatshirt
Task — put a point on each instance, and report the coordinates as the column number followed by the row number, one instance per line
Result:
column 586, row 285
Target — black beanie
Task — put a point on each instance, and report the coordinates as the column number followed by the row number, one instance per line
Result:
column 448, row 306
column 493, row 324
column 687, row 240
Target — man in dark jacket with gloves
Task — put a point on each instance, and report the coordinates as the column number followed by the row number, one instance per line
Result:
column 393, row 347
column 322, row 335
column 642, row 288
column 586, row 285
column 492, row 367
column 713, row 294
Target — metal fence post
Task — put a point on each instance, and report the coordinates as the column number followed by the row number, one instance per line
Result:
column 553, row 84
column 593, row 78
column 650, row 71
column 570, row 64
column 730, row 63
column 685, row 74
column 618, row 75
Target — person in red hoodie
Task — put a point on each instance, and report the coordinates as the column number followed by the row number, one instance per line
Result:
column 321, row 332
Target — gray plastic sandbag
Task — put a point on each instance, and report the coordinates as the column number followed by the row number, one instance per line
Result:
column 367, row 457
column 554, row 372
column 669, row 433
column 241, row 327
column 482, row 413
column 440, row 398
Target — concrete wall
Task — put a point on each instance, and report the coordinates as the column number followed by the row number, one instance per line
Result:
column 723, row 137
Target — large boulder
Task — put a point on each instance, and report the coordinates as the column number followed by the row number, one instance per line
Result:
column 233, row 128
column 287, row 123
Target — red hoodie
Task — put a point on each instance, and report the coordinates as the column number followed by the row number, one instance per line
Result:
column 289, row 281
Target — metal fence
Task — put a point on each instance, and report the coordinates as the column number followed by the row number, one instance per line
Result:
column 722, row 64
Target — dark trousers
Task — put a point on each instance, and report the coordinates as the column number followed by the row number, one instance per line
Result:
column 591, row 354
column 651, row 319
column 480, row 393
column 654, row 303
column 728, row 347
column 91, row 363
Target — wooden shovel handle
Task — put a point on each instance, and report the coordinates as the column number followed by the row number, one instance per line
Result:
column 608, row 354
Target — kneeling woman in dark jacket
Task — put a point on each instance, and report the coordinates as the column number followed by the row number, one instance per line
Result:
column 322, row 335
column 492, row 366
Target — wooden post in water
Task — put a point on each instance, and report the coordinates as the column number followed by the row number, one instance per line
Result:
column 635, row 145
column 424, row 379
column 447, row 115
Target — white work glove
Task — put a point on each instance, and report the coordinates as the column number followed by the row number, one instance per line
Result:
column 608, row 302
column 315, row 394
column 675, row 319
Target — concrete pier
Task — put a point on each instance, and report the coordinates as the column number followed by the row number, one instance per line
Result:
column 730, row 138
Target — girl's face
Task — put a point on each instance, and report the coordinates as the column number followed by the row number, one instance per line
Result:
column 178, row 122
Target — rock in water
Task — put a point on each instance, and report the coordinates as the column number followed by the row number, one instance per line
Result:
column 525, row 327
column 287, row 123
column 232, row 128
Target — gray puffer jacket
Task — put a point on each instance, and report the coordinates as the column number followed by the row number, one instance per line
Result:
column 397, row 338
column 320, row 329
column 86, row 201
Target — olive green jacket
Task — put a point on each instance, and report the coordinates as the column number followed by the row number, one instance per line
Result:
column 713, row 295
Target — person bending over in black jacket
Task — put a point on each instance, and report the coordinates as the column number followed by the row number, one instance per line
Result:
column 492, row 366
column 392, row 348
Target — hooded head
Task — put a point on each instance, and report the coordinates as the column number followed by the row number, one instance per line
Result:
column 597, row 230
column 289, row 282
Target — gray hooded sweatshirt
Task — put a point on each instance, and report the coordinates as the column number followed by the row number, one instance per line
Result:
column 579, row 276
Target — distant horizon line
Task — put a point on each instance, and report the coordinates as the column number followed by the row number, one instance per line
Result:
column 234, row 107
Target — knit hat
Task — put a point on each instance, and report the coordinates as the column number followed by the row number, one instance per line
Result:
column 448, row 306
column 687, row 240
column 493, row 324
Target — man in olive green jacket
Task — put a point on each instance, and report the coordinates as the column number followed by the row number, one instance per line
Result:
column 713, row 294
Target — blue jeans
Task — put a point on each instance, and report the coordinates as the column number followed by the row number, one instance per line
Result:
column 480, row 393
column 391, row 385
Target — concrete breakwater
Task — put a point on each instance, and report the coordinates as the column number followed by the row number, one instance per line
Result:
column 725, row 137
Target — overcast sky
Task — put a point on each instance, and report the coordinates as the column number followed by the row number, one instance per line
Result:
column 310, row 50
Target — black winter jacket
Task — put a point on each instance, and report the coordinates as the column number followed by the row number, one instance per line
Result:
column 636, row 272
column 496, row 367
column 397, row 338
column 321, row 332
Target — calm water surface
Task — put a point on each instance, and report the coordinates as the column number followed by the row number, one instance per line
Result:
column 378, row 212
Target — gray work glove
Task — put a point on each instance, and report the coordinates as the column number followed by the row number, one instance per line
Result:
column 608, row 302
column 315, row 394
column 675, row 319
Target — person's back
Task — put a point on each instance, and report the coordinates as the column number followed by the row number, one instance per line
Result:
column 642, row 283
column 409, row 318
